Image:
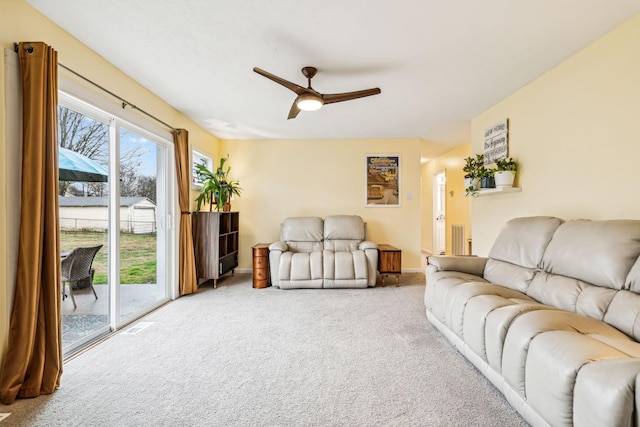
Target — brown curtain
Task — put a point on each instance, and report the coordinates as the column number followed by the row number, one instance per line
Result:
column 33, row 363
column 187, row 276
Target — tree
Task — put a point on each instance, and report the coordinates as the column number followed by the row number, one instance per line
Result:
column 147, row 187
column 90, row 138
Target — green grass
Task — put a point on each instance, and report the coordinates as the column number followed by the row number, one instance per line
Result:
column 137, row 255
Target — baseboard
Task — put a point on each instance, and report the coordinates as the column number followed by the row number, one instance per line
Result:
column 404, row 270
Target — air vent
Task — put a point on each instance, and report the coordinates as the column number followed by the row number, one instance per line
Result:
column 137, row 328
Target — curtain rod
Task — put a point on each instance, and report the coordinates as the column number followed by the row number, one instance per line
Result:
column 125, row 103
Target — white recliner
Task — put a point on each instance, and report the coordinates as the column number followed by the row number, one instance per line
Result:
column 329, row 253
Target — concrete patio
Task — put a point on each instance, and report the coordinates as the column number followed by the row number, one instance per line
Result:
column 92, row 314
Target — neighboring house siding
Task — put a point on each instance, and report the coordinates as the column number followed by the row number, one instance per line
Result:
column 87, row 218
column 137, row 215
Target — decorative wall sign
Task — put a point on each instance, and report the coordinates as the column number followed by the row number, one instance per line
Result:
column 197, row 158
column 383, row 180
column 496, row 142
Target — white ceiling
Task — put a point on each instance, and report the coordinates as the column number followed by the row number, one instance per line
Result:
column 438, row 63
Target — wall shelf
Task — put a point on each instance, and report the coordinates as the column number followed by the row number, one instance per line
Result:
column 499, row 190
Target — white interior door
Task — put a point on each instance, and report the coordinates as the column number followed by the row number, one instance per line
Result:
column 439, row 216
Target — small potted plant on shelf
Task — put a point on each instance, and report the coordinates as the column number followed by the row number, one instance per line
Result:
column 217, row 188
column 486, row 176
column 471, row 177
column 505, row 172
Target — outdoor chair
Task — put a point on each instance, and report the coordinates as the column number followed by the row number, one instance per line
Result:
column 77, row 271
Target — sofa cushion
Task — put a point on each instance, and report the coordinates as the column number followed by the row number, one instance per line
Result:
column 438, row 295
column 525, row 329
column 342, row 245
column 498, row 322
column 345, row 269
column 509, row 275
column 343, row 233
column 554, row 360
column 458, row 298
column 522, row 241
column 624, row 313
column 451, row 277
column 475, row 319
column 344, row 265
column 344, row 227
column 300, row 270
column 604, row 393
column 571, row 294
column 633, row 278
column 301, row 229
column 597, row 252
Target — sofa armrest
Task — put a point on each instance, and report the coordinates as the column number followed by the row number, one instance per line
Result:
column 464, row 264
column 365, row 244
column 275, row 252
column 278, row 246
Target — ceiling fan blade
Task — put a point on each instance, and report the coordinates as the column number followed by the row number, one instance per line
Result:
column 347, row 96
column 294, row 110
column 291, row 86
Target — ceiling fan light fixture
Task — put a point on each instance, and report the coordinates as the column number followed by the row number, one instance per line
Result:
column 309, row 102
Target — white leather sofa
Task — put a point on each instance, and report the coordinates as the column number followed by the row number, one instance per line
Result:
column 551, row 317
column 329, row 253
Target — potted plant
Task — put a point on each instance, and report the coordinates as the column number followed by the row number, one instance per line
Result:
column 505, row 172
column 217, row 188
column 471, row 177
column 486, row 176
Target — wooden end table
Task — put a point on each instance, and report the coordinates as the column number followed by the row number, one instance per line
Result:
column 389, row 262
column 261, row 265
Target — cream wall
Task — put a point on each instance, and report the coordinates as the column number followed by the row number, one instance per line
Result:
column 283, row 178
column 20, row 22
column 458, row 207
column 575, row 132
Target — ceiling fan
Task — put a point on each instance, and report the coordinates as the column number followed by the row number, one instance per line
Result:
column 309, row 99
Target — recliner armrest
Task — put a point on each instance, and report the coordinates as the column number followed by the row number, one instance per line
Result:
column 365, row 244
column 278, row 246
column 464, row 264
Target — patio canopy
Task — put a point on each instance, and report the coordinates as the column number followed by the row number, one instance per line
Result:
column 74, row 166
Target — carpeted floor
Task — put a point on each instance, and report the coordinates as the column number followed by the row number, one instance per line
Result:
column 237, row 356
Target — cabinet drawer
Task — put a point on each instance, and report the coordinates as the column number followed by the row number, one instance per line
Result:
column 260, row 274
column 261, row 251
column 260, row 262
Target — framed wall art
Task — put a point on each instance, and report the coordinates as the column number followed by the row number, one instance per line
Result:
column 198, row 158
column 382, row 185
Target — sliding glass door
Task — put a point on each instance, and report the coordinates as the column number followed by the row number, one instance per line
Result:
column 125, row 208
column 84, row 223
column 142, row 223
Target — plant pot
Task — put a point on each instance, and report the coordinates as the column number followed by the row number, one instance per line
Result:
column 505, row 178
column 488, row 182
column 469, row 182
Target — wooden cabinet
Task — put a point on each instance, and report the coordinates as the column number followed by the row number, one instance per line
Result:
column 389, row 262
column 261, row 265
column 215, row 239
